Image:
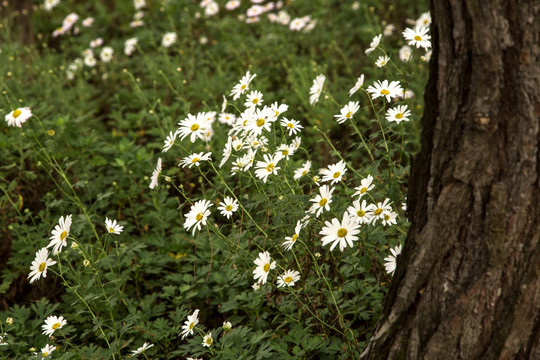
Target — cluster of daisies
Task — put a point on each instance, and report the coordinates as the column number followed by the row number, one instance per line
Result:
column 190, row 326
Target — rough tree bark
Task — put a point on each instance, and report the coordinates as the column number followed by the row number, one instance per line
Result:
column 467, row 285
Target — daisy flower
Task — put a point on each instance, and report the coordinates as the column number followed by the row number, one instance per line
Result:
column 227, row 151
column 106, row 54
column 197, row 215
column 384, row 89
column 303, row 170
column 3, row 339
column 361, row 212
column 285, row 151
column 418, row 37
column 228, row 206
column 334, row 172
column 194, row 126
column 322, row 201
column 278, row 109
column 254, row 98
column 227, row 118
column 53, row 323
column 227, row 325
column 264, row 265
column 357, row 86
column 211, row 9
column 288, row 278
column 189, row 324
column 260, row 120
column 18, row 116
column 342, row 234
column 290, row 240
column 380, row 208
column 207, row 340
column 382, row 61
column 347, row 112
column 129, row 46
column 169, row 141
column 168, row 39
column 59, row 234
column 391, row 260
column 292, row 125
column 139, row 4
column 47, row 350
column 405, row 53
column 155, row 175
column 40, row 265
column 142, row 349
column 232, row 4
column 50, row 4
column 424, row 20
column 398, row 114
column 365, row 186
column 113, row 227
column 374, row 44
column 316, row 89
column 195, row 159
column 388, row 218
column 267, row 167
column 242, row 86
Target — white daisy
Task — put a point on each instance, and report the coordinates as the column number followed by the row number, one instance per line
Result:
column 242, row 86
column 405, row 53
column 334, row 172
column 390, row 260
column 374, row 44
column 418, row 37
column 207, row 340
column 113, row 227
column 168, row 39
column 316, row 89
column 290, row 240
column 357, row 86
column 288, row 278
column 155, row 175
column 106, row 54
column 285, row 151
column 388, row 218
column 424, row 20
column 18, row 116
column 398, row 114
column 278, row 109
column 169, row 141
column 384, row 89
column 303, row 170
column 59, row 234
column 189, row 324
column 267, row 167
column 47, row 350
column 227, row 118
column 264, row 265
column 347, row 111
column 322, row 201
column 227, row 151
column 380, row 208
column 382, row 61
column 40, row 265
column 194, row 125
column 195, row 159
column 142, row 349
column 228, row 206
column 129, row 46
column 198, row 215
column 365, row 186
column 53, row 323
column 292, row 125
column 342, row 234
column 361, row 212
column 227, row 325
column 254, row 98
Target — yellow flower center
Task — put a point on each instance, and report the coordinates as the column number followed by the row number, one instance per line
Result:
column 243, row 86
column 294, row 237
column 244, row 123
column 199, row 217
column 260, row 122
column 399, row 115
column 277, row 113
column 323, row 202
column 56, row 326
column 290, row 125
column 360, row 213
column 417, row 38
column 111, row 230
column 16, row 113
column 304, row 172
column 348, row 114
column 385, row 92
column 270, row 167
column 363, row 190
column 386, row 217
column 42, row 267
column 63, row 235
column 336, row 174
column 45, row 354
column 266, row 267
column 228, row 207
column 287, row 279
column 194, row 127
column 255, row 100
column 285, row 152
column 209, row 341
column 342, row 232
column 195, row 160
column 191, row 325
column 378, row 211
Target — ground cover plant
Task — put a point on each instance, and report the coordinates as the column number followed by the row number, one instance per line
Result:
column 211, row 180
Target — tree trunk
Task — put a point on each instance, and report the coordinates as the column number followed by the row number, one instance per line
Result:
column 467, row 285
